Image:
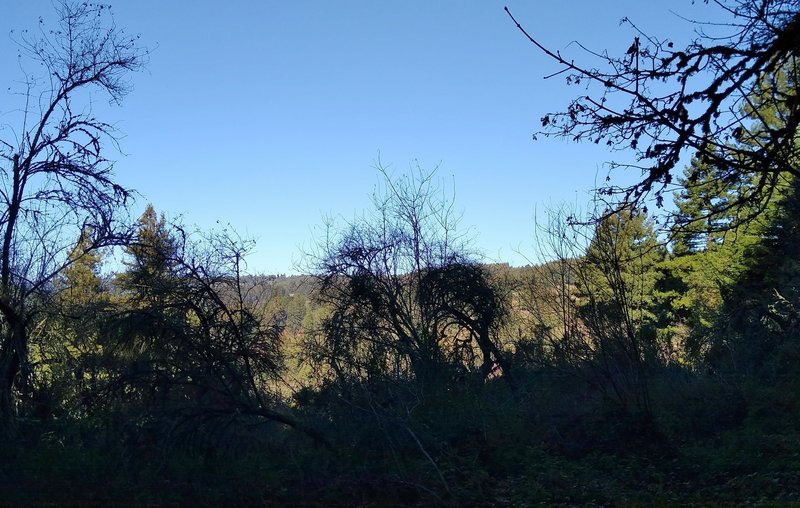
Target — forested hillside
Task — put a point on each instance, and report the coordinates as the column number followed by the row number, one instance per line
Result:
column 652, row 356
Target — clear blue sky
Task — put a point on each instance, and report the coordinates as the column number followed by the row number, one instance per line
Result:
column 269, row 115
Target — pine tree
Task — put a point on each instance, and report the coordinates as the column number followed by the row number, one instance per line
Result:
column 151, row 258
column 80, row 280
column 619, row 273
column 707, row 210
column 616, row 283
column 69, row 354
column 762, row 307
column 719, row 221
column 709, row 235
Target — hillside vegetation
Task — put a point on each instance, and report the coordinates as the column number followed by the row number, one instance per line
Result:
column 652, row 358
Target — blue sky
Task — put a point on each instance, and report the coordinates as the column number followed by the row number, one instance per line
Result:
column 270, row 115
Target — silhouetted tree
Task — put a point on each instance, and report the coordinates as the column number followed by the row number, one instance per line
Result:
column 151, row 257
column 706, row 100
column 56, row 180
column 190, row 350
column 468, row 308
column 405, row 298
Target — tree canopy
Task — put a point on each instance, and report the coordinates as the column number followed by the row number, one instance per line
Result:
column 706, row 100
column 56, row 179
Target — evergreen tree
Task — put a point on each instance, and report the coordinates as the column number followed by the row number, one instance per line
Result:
column 707, row 209
column 69, row 354
column 152, row 257
column 147, row 328
column 762, row 307
column 80, row 280
column 719, row 220
column 616, row 283
column 690, row 295
column 618, row 275
column 709, row 235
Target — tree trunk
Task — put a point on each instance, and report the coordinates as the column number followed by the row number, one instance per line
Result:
column 12, row 357
column 9, row 366
column 489, row 350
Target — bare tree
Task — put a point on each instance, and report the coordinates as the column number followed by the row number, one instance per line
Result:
column 707, row 100
column 547, row 297
column 56, row 180
column 406, row 299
